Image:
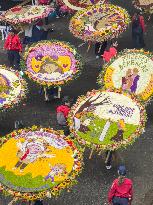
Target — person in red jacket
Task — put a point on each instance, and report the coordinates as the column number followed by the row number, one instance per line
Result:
column 110, row 53
column 62, row 114
column 138, row 29
column 121, row 191
column 14, row 47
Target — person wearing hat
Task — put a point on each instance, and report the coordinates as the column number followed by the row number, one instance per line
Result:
column 14, row 47
column 121, row 191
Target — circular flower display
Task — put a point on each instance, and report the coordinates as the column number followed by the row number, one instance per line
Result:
column 37, row 163
column 147, row 5
column 131, row 70
column 12, row 87
column 99, row 22
column 79, row 5
column 52, row 63
column 25, row 14
column 107, row 120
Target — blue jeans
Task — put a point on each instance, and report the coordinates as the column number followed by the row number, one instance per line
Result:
column 120, row 201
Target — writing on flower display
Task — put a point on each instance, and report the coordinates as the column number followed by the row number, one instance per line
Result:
column 122, row 110
column 139, row 61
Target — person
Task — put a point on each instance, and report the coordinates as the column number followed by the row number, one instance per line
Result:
column 51, row 93
column 62, row 114
column 127, row 80
column 136, row 78
column 138, row 29
column 38, row 202
column 117, row 137
column 121, row 191
column 130, row 81
column 14, row 47
column 100, row 48
column 110, row 53
column 28, row 33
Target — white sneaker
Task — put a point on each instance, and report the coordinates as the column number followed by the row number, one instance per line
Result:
column 97, row 57
column 108, row 167
column 57, row 17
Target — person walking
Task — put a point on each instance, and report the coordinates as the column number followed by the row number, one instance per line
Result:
column 138, row 29
column 62, row 114
column 121, row 191
column 14, row 47
column 100, row 48
column 110, row 53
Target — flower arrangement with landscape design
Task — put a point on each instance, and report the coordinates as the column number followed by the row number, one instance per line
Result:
column 132, row 71
column 12, row 87
column 147, row 6
column 80, row 4
column 52, row 63
column 25, row 14
column 107, row 119
column 99, row 22
column 38, row 162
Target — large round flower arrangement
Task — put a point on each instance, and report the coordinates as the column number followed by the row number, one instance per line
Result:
column 37, row 163
column 146, row 5
column 12, row 88
column 52, row 63
column 80, row 4
column 99, row 22
column 107, row 120
column 131, row 70
column 25, row 14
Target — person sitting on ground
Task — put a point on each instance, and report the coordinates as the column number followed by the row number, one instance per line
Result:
column 110, row 53
column 121, row 191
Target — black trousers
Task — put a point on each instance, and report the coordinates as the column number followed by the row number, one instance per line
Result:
column 14, row 59
column 109, row 155
column 100, row 48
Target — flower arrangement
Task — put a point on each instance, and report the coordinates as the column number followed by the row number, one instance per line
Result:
column 143, row 4
column 12, row 87
column 26, row 14
column 52, row 63
column 99, row 22
column 107, row 119
column 79, row 5
column 130, row 70
column 39, row 163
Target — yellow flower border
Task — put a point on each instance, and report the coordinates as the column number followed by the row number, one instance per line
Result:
column 116, row 145
column 23, row 91
column 98, row 36
column 56, row 190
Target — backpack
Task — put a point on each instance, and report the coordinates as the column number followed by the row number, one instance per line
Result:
column 60, row 118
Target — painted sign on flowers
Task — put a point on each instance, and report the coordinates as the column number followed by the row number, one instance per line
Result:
column 131, row 70
column 35, row 163
column 99, row 22
column 52, row 63
column 12, row 88
column 106, row 119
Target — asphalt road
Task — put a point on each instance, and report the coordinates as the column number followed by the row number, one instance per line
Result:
column 95, row 180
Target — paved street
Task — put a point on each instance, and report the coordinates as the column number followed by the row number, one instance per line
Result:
column 95, row 180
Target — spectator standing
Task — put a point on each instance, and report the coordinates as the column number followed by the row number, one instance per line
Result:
column 100, row 48
column 110, row 53
column 138, row 29
column 121, row 191
column 14, row 47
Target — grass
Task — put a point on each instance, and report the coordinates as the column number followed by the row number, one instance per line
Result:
column 96, row 128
